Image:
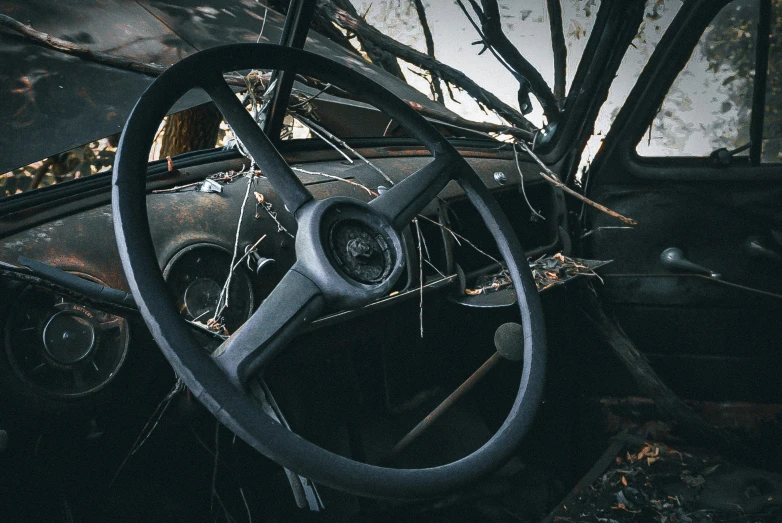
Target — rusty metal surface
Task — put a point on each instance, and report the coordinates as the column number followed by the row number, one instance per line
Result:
column 83, row 240
column 52, row 101
column 639, row 416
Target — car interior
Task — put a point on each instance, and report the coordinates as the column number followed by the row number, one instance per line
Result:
column 350, row 302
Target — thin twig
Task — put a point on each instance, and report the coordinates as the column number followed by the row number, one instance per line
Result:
column 267, row 206
column 228, row 517
column 150, row 425
column 222, row 300
column 248, row 252
column 309, row 98
column 312, row 129
column 459, row 236
column 521, row 184
column 550, row 177
column 246, row 506
column 435, row 268
column 309, row 123
column 263, row 25
column 420, row 278
column 483, row 39
column 337, row 178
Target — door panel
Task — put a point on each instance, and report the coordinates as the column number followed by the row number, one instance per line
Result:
column 709, row 338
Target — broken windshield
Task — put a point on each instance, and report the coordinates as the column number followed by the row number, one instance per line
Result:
column 476, row 71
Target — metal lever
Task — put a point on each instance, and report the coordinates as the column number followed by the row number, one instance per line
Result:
column 757, row 248
column 673, row 259
column 509, row 342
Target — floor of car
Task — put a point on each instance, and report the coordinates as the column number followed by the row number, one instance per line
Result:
column 637, row 480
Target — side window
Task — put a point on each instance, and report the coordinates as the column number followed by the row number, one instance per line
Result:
column 772, row 123
column 709, row 105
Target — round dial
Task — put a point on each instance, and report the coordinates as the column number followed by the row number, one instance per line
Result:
column 61, row 348
column 69, row 337
column 196, row 276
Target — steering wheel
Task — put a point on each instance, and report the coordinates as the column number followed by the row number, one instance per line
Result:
column 349, row 253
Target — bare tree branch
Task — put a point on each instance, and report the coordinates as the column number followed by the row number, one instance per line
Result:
column 491, row 24
column 559, row 48
column 419, row 7
column 551, row 178
column 65, row 46
column 424, row 61
column 378, row 55
column 647, row 379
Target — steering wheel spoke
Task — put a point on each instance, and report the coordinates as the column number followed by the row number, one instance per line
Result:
column 263, row 152
column 293, row 304
column 405, row 200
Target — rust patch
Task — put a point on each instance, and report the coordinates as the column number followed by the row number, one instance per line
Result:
column 640, row 416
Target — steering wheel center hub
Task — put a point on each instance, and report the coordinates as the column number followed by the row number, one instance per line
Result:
column 348, row 250
column 360, row 250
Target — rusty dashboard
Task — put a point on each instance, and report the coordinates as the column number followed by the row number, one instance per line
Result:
column 194, row 212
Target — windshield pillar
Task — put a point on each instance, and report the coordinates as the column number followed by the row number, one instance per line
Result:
column 294, row 34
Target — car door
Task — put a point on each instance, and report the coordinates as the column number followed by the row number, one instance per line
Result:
column 694, row 156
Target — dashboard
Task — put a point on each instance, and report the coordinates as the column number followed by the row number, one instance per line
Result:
column 64, row 350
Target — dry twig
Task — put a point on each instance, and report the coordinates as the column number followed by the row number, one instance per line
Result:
column 550, row 177
column 437, row 91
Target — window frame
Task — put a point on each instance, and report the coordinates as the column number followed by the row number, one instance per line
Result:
column 761, row 45
column 641, row 107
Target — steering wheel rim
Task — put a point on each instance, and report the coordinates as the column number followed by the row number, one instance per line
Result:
column 210, row 384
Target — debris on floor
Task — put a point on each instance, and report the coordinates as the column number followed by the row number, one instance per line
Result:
column 641, row 481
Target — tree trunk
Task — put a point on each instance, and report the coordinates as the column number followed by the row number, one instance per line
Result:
column 190, row 130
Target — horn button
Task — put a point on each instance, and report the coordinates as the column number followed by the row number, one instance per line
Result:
column 360, row 251
column 360, row 244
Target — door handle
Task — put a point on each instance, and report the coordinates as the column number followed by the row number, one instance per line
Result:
column 757, row 248
column 674, row 260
